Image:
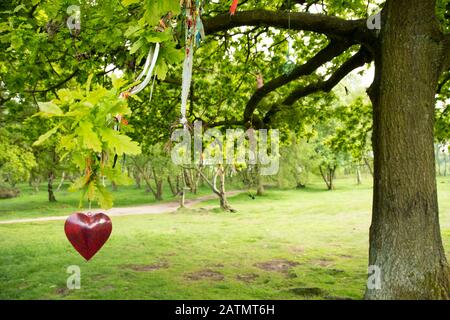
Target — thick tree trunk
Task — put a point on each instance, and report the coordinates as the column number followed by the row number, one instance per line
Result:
column 405, row 240
column 51, row 195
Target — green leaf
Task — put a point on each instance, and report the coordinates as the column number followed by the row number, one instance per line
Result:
column 49, row 109
column 161, row 70
column 155, row 37
column 89, row 137
column 18, row 8
column 105, row 199
column 121, row 144
column 132, row 30
column 127, row 3
column 171, row 54
column 136, row 46
column 45, row 136
column 135, row 97
column 78, row 184
column 88, row 84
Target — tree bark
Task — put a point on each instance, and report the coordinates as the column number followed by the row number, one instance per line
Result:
column 220, row 192
column 51, row 194
column 405, row 239
column 328, row 176
column 159, row 185
column 173, row 188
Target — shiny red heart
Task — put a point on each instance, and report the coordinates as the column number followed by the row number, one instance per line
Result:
column 88, row 232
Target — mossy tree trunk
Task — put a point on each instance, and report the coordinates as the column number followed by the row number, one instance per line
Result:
column 405, row 239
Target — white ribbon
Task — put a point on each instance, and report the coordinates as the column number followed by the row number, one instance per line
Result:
column 151, row 56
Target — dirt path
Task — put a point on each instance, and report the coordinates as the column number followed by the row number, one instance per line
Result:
column 137, row 210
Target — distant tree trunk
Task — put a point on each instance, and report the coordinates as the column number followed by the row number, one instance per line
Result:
column 159, row 185
column 113, row 186
column 173, row 187
column 436, row 147
column 51, row 195
column 366, row 161
column 179, row 179
column 358, row 175
column 220, row 192
column 63, row 176
column 259, row 182
column 34, row 182
column 222, row 195
column 137, row 179
column 189, row 180
column 328, row 175
column 405, row 239
column 159, row 190
column 445, row 163
column 182, row 198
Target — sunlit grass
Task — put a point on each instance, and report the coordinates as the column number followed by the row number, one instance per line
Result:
column 321, row 236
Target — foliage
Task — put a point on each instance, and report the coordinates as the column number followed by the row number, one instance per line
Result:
column 87, row 123
column 16, row 161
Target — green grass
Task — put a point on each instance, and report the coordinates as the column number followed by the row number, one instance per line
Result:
column 323, row 234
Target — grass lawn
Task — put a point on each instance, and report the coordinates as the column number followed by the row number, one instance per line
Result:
column 288, row 244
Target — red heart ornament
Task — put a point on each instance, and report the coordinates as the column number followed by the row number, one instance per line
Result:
column 88, row 232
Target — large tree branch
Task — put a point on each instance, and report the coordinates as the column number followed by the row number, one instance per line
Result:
column 56, row 86
column 333, row 49
column 358, row 60
column 355, row 30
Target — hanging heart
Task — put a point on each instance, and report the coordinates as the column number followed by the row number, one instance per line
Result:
column 88, row 232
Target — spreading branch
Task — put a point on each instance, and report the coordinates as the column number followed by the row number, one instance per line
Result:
column 358, row 60
column 355, row 30
column 332, row 50
column 56, row 86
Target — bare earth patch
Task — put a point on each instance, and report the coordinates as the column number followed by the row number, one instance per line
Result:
column 323, row 262
column 217, row 265
column 247, row 278
column 307, row 292
column 278, row 265
column 150, row 267
column 205, row 274
column 62, row 291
